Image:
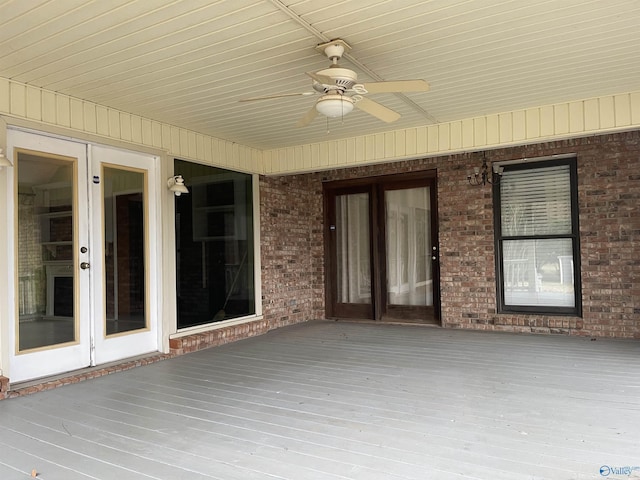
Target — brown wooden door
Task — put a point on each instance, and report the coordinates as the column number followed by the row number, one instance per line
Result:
column 351, row 246
column 382, row 254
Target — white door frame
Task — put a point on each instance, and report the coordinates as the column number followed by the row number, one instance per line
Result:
column 89, row 291
column 73, row 355
column 118, row 346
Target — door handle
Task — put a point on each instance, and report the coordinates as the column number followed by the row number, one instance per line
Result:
column 84, row 265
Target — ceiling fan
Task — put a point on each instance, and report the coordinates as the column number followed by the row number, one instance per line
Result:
column 340, row 91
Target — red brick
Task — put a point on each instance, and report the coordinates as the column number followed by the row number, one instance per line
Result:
column 609, row 195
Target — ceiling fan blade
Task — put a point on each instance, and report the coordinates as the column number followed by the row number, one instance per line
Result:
column 379, row 111
column 308, row 117
column 397, row 86
column 278, row 95
column 321, row 78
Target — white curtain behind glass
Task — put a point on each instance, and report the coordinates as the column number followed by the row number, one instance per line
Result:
column 409, row 280
column 353, row 248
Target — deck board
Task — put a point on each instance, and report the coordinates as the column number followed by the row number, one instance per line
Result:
column 326, row 400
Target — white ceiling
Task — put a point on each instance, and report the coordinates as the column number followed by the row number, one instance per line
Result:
column 188, row 62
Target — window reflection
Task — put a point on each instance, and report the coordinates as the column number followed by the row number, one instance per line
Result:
column 214, row 245
column 124, row 246
column 46, row 285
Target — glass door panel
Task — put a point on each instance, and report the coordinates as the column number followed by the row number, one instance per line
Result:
column 408, row 247
column 46, row 314
column 353, row 248
column 124, row 250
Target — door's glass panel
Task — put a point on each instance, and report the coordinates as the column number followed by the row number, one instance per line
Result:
column 124, row 197
column 46, row 284
column 214, row 245
column 408, row 227
column 353, row 248
column 538, row 272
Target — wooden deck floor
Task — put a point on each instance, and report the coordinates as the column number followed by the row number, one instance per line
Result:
column 326, row 401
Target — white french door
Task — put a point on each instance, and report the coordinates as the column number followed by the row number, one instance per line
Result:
column 85, row 255
column 50, row 332
column 125, row 229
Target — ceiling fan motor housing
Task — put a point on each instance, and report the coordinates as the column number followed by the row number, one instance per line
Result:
column 342, row 77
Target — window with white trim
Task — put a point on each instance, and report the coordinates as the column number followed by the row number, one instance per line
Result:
column 537, row 240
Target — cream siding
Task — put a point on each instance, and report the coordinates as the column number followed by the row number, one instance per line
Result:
column 545, row 123
column 578, row 118
column 623, row 110
column 634, row 103
column 50, row 108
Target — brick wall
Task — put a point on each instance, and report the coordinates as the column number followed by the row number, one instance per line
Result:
column 609, row 198
column 292, row 250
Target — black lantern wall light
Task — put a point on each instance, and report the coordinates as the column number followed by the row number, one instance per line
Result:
column 484, row 174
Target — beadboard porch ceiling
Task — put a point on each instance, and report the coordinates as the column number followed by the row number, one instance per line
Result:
column 188, row 63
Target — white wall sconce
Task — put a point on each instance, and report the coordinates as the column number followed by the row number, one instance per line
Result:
column 4, row 161
column 176, row 185
column 483, row 174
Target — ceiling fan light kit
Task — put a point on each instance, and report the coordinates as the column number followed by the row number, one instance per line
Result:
column 335, row 105
column 340, row 90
